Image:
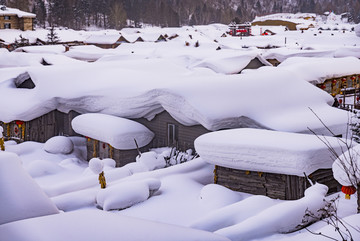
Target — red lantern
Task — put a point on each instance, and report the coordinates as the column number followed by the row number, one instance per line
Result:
column 334, row 82
column 343, row 79
column 348, row 190
column 340, row 101
column 103, row 145
column 357, row 98
column 353, row 77
column 323, row 86
column 19, row 123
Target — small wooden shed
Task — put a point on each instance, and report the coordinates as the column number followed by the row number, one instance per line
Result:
column 112, row 137
column 271, row 163
column 12, row 18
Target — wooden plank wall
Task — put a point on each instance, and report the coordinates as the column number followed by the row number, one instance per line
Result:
column 42, row 128
column 279, row 186
column 186, row 134
column 103, row 150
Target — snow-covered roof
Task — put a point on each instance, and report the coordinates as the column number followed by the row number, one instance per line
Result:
column 274, row 99
column 102, row 38
column 267, row 151
column 119, row 132
column 317, row 70
column 14, row 11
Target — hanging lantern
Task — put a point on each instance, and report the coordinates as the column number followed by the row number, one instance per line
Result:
column 323, row 86
column 19, row 123
column 103, row 145
column 348, row 190
column 357, row 98
column 343, row 79
column 334, row 82
column 353, row 78
column 340, row 101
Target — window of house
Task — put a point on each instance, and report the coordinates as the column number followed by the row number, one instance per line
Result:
column 7, row 25
column 172, row 134
column 6, row 17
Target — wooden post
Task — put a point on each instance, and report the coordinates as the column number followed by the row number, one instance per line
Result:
column 102, row 180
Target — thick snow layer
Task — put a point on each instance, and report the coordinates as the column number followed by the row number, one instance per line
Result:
column 14, row 11
column 346, row 167
column 276, row 219
column 21, row 196
column 118, row 132
column 40, row 168
column 102, row 38
column 126, row 194
column 232, row 214
column 267, row 151
column 317, row 69
column 98, row 226
column 96, row 88
column 59, row 144
column 42, row 49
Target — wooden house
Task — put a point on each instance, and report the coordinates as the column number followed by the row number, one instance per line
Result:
column 40, row 129
column 345, row 88
column 276, row 22
column 11, row 18
column 240, row 29
column 112, row 137
column 271, row 163
column 106, row 41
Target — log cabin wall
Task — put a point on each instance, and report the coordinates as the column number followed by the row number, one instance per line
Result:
column 103, row 150
column 40, row 129
column 184, row 135
column 278, row 186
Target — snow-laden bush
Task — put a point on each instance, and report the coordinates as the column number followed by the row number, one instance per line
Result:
column 163, row 157
column 59, row 145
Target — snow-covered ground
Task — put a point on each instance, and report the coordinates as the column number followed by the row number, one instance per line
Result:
column 49, row 192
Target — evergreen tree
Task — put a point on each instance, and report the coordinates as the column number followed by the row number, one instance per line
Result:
column 52, row 36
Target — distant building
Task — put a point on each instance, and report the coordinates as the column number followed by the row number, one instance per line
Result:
column 12, row 18
column 240, row 29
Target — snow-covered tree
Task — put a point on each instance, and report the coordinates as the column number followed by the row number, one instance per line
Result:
column 52, row 36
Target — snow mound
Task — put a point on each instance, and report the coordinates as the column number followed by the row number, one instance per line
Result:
column 118, row 132
column 21, row 197
column 233, row 214
column 284, row 217
column 59, row 145
column 267, row 151
column 109, row 163
column 98, row 226
column 151, row 160
column 39, row 168
column 217, row 196
column 126, row 194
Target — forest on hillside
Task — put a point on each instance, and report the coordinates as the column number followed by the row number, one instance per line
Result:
column 80, row 14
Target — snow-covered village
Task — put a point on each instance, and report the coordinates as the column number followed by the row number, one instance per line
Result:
column 239, row 131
